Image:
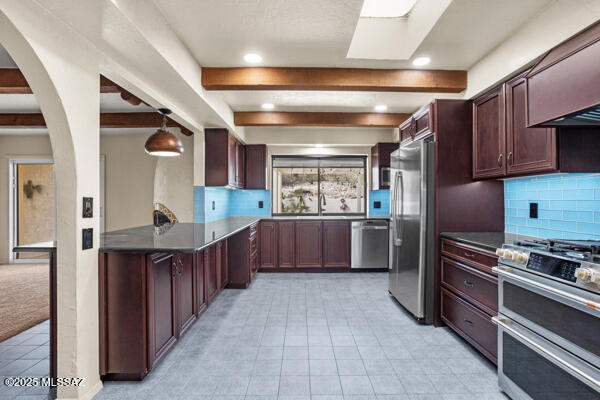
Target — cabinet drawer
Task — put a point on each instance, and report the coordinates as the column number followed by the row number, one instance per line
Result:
column 479, row 288
column 475, row 326
column 253, row 244
column 253, row 229
column 470, row 255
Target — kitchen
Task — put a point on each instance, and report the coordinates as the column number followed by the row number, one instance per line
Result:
column 330, row 228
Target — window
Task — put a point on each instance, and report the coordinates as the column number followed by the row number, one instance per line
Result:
column 313, row 185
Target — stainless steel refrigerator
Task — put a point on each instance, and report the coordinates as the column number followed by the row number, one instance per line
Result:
column 411, row 274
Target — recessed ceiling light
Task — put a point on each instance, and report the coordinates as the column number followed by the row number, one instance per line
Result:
column 268, row 106
column 386, row 8
column 380, row 107
column 252, row 58
column 421, row 61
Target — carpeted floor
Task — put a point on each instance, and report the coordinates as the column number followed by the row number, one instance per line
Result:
column 24, row 297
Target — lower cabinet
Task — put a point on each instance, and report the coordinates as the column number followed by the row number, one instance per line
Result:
column 162, row 283
column 469, row 295
column 309, row 242
column 186, row 285
column 200, row 282
column 286, row 243
column 222, row 264
column 212, row 264
column 336, row 243
column 242, row 253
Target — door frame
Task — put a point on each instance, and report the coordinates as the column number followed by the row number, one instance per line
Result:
column 13, row 162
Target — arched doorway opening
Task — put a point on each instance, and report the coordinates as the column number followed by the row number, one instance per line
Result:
column 63, row 74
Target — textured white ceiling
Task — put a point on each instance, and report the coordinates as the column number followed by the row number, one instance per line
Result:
column 329, row 101
column 318, row 32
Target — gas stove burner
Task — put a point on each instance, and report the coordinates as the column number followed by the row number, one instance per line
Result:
column 578, row 249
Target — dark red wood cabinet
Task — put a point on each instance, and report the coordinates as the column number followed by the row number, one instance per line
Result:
column 286, row 244
column 268, row 244
column 256, row 166
column 489, row 136
column 186, row 274
column 224, row 159
column 418, row 125
column 212, row 264
column 200, row 282
column 502, row 144
column 336, row 243
column 469, row 294
column 242, row 253
column 309, row 242
column 380, row 165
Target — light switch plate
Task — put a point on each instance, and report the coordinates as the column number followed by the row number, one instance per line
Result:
column 87, row 238
column 88, row 207
column 533, row 210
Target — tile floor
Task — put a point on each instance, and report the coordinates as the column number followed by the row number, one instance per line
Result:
column 25, row 355
column 314, row 337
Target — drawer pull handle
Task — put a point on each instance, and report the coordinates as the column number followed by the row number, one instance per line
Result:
column 470, row 255
column 467, row 283
column 468, row 322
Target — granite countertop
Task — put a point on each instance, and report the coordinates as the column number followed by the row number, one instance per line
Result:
column 486, row 240
column 180, row 237
column 36, row 247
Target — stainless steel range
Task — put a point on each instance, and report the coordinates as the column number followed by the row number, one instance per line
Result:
column 549, row 319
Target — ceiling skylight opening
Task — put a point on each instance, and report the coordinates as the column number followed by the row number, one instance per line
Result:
column 387, row 8
column 268, row 106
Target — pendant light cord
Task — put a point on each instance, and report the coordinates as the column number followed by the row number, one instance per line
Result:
column 164, row 123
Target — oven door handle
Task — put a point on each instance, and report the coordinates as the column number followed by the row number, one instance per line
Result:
column 504, row 323
column 590, row 305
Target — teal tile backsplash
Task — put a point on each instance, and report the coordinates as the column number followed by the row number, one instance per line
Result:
column 569, row 206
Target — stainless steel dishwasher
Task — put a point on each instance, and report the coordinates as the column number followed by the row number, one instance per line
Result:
column 370, row 245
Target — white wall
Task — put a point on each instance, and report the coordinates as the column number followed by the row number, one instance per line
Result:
column 556, row 23
column 174, row 182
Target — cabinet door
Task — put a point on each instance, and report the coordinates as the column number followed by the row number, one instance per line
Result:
column 286, row 243
column 231, row 160
column 162, row 304
column 239, row 164
column 489, row 136
column 200, row 282
column 210, row 265
column 224, row 264
column 309, row 244
column 336, row 243
column 218, row 264
column 407, row 130
column 529, row 150
column 268, row 248
column 186, row 289
column 255, row 166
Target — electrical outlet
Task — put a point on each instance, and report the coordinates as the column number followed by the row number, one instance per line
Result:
column 260, row 204
column 376, row 204
column 213, row 205
column 533, row 210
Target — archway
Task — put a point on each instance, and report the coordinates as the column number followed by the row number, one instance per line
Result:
column 63, row 74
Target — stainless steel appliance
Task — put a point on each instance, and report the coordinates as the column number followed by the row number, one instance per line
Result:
column 549, row 319
column 369, row 244
column 412, row 228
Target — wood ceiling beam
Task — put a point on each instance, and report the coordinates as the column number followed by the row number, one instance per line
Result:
column 12, row 81
column 343, row 79
column 326, row 119
column 107, row 120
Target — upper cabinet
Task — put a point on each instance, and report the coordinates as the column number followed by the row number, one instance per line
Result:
column 418, row 125
column 527, row 149
column 256, row 166
column 502, row 144
column 489, row 135
column 380, row 165
column 563, row 86
column 224, row 159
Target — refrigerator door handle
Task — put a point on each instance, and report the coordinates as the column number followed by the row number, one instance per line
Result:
column 397, row 217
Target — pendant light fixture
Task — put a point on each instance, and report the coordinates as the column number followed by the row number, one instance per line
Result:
column 163, row 143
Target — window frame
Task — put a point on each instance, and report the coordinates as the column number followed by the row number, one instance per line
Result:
column 321, row 157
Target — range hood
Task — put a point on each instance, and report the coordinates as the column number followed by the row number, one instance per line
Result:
column 563, row 88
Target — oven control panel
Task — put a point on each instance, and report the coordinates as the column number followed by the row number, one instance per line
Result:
column 556, row 267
